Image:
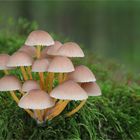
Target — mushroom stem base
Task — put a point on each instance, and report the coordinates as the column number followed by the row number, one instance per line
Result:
column 76, row 109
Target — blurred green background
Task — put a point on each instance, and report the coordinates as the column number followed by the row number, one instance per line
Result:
column 109, row 28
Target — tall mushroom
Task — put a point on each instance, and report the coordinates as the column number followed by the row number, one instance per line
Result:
column 39, row 38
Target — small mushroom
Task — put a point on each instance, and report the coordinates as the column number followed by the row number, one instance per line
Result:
column 81, row 74
column 70, row 49
column 30, row 50
column 3, row 63
column 22, row 60
column 38, row 100
column 41, row 66
column 30, row 85
column 91, row 88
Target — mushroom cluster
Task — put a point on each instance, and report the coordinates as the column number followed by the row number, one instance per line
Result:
column 47, row 81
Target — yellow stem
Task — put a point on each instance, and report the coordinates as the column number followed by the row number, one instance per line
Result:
column 57, row 110
column 76, row 109
column 25, row 76
column 51, row 77
column 60, row 78
column 39, row 115
column 47, row 82
column 65, row 77
column 38, row 51
column 6, row 72
column 29, row 72
column 17, row 101
column 41, row 75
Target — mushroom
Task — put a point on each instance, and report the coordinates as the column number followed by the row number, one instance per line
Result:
column 37, row 100
column 39, row 38
column 67, row 91
column 30, row 50
column 81, row 74
column 41, row 66
column 22, row 60
column 91, row 88
column 70, row 49
column 44, row 52
column 59, row 64
column 30, row 85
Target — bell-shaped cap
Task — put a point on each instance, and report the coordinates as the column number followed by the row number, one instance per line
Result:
column 70, row 49
column 54, row 48
column 36, row 99
column 69, row 90
column 3, row 62
column 9, row 83
column 30, row 50
column 61, row 64
column 91, row 88
column 30, row 85
column 19, row 59
column 82, row 74
column 39, row 37
column 40, row 65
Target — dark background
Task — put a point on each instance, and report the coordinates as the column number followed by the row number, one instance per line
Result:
column 108, row 28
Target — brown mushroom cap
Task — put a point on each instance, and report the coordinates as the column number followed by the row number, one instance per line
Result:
column 20, row 59
column 61, row 64
column 91, row 88
column 70, row 49
column 30, row 50
column 40, row 65
column 36, row 99
column 3, row 62
column 69, row 90
column 39, row 37
column 30, row 85
column 82, row 74
column 9, row 83
column 54, row 48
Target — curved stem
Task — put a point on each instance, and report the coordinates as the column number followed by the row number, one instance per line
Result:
column 17, row 101
column 39, row 115
column 51, row 77
column 57, row 110
column 25, row 76
column 76, row 109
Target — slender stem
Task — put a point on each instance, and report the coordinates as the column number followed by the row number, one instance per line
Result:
column 25, row 76
column 51, row 77
column 47, row 82
column 38, row 51
column 14, row 97
column 41, row 75
column 76, row 109
column 29, row 72
column 39, row 115
column 60, row 78
column 65, row 77
column 58, row 109
column 6, row 72
column 17, row 101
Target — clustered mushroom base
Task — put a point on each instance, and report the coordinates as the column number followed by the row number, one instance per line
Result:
column 49, row 80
